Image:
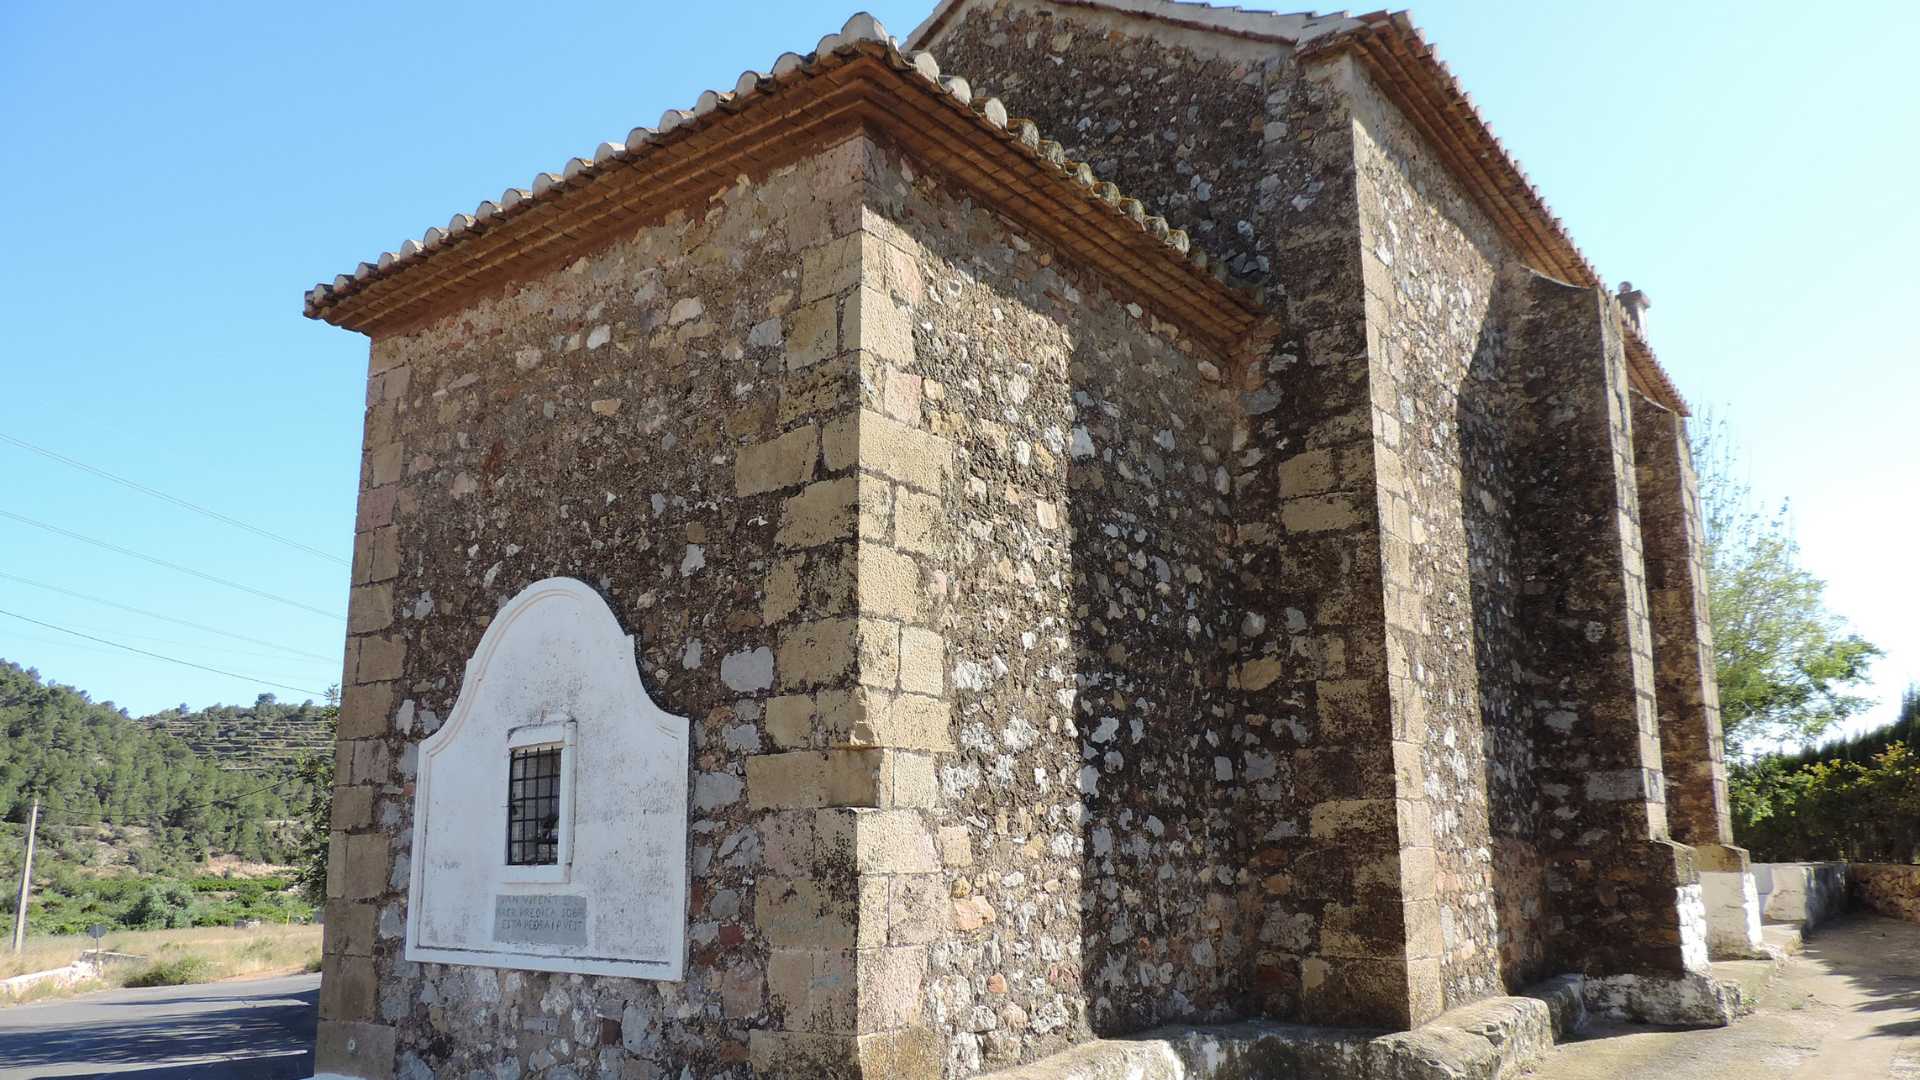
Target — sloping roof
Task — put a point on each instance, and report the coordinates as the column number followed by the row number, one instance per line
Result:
column 1426, row 92
column 856, row 77
column 1293, row 29
column 1419, row 83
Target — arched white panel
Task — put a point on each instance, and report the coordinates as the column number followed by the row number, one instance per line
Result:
column 554, row 672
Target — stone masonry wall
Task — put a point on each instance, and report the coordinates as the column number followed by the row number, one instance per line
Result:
column 846, row 451
column 1673, row 531
column 1254, row 157
column 643, row 419
column 1887, row 888
column 1083, row 556
column 1615, row 879
column 1434, row 267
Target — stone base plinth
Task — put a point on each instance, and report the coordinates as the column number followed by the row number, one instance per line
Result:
column 1695, row 999
column 1806, row 893
column 1497, row 1037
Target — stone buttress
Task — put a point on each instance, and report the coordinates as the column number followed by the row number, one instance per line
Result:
column 1687, row 695
column 1455, row 837
column 1588, row 676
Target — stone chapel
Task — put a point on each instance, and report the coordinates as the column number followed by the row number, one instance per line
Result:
column 1108, row 537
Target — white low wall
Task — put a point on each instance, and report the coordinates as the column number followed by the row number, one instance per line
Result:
column 78, row 971
column 1807, row 893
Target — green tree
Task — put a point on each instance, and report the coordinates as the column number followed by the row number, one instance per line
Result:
column 1788, row 667
column 164, row 905
column 114, row 792
column 1839, row 809
column 316, row 814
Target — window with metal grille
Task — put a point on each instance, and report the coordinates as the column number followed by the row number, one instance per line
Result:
column 533, row 807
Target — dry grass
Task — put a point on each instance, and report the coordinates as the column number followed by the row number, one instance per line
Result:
column 42, row 953
column 44, row 991
column 205, row 954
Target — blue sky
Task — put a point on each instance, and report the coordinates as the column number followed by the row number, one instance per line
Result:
column 176, row 175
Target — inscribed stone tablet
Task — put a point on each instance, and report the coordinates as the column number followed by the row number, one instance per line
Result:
column 542, row 919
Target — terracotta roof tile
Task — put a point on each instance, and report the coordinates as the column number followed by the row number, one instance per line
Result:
column 500, row 235
column 1424, row 88
column 1395, row 53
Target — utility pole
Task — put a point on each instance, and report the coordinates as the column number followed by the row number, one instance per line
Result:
column 26, row 881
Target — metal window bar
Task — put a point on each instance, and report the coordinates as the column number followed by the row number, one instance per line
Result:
column 533, row 807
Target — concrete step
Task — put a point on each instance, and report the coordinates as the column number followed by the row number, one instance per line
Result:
column 1746, row 980
column 1785, row 936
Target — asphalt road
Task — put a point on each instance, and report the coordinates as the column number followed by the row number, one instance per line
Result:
column 258, row 1029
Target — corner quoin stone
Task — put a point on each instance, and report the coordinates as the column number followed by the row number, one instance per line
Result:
column 785, row 461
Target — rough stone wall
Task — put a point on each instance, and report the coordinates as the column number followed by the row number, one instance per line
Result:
column 1888, row 888
column 1588, row 665
column 599, row 421
column 1174, row 121
column 1674, row 534
column 1083, row 563
column 1254, row 157
column 739, row 429
column 1434, row 273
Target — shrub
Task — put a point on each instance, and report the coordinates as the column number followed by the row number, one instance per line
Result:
column 164, row 905
column 1841, row 809
column 189, row 968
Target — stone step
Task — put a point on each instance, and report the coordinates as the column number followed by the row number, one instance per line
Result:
column 1494, row 1039
column 1784, row 936
column 1746, row 980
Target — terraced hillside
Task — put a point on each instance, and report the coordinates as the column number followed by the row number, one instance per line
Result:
column 266, row 734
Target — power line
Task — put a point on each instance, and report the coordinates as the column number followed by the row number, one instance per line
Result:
column 167, row 618
column 23, row 635
column 155, row 639
column 157, row 656
column 169, row 565
column 195, row 507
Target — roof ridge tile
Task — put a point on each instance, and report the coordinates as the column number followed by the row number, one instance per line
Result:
column 856, row 37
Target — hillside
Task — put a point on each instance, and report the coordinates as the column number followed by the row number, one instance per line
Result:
column 137, row 828
column 264, row 735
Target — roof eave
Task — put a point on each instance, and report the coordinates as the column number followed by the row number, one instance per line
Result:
column 1287, row 28
column 1404, row 65
column 1400, row 60
column 856, row 79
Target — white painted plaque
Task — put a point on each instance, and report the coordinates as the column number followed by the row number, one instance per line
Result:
column 605, row 892
column 539, row 919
